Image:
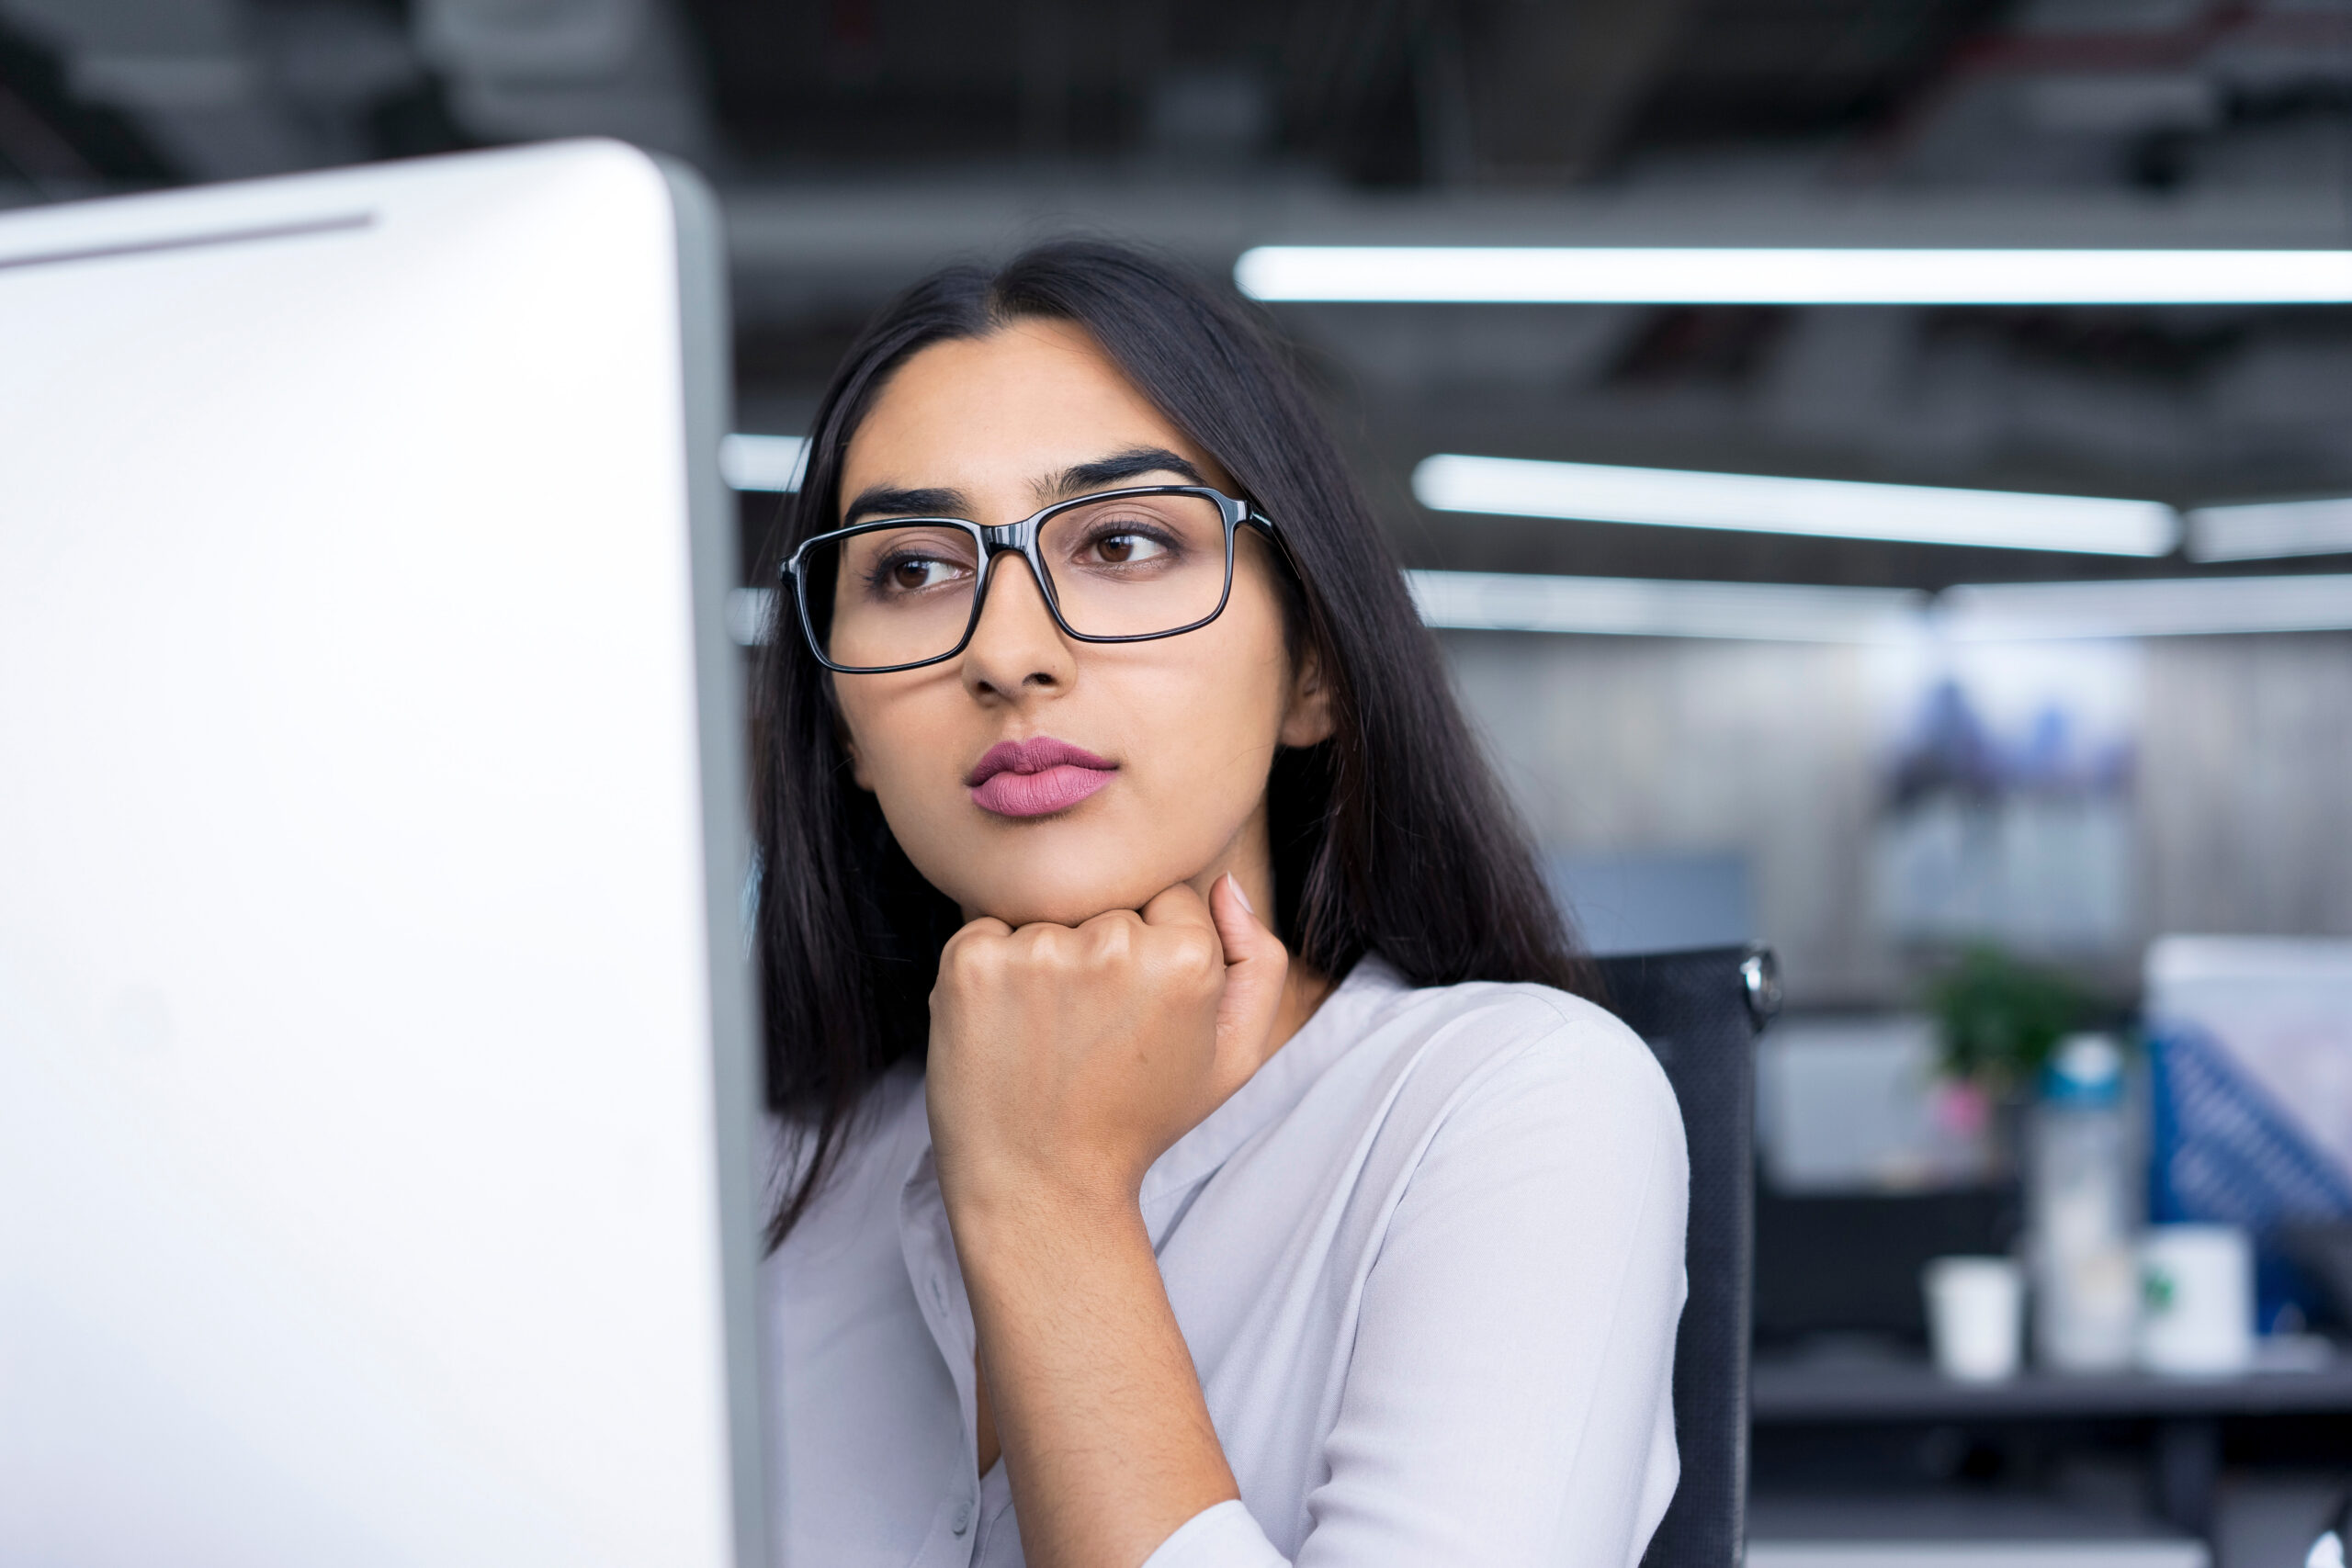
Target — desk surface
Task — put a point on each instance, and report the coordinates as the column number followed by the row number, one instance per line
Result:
column 1795, row 1392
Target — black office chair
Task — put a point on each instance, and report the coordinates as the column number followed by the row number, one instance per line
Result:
column 1700, row 1011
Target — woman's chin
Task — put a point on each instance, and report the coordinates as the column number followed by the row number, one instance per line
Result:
column 1067, row 903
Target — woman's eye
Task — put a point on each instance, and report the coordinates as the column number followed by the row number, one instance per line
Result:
column 1123, row 549
column 912, row 574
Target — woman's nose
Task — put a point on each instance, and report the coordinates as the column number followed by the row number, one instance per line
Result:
column 1017, row 647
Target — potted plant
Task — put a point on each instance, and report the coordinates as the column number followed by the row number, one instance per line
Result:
column 1998, row 1018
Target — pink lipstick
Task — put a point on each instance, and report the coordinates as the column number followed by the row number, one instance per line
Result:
column 1036, row 777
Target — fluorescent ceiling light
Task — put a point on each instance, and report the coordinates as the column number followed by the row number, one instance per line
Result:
column 1694, row 275
column 2270, row 528
column 762, row 462
column 1627, row 606
column 1843, row 509
column 1776, row 612
column 2192, row 606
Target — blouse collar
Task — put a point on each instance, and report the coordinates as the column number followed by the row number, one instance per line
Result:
column 1345, row 1018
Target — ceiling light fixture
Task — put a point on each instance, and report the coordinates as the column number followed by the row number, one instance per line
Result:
column 1777, row 275
column 2264, row 530
column 2163, row 606
column 1780, row 612
column 767, row 463
column 1627, row 606
column 1842, row 509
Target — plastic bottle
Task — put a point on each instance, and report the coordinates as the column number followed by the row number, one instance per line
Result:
column 2080, row 1211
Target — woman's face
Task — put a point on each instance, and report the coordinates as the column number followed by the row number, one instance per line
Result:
column 992, row 429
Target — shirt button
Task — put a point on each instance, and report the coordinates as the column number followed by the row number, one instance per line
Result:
column 939, row 1294
column 963, row 1518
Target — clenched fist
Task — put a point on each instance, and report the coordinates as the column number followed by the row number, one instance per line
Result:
column 1064, row 1060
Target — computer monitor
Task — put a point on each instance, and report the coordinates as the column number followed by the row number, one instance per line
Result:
column 377, row 1081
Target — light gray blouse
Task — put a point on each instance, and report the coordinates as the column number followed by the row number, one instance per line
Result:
column 1428, row 1261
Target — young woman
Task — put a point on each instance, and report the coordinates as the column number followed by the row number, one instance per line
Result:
column 1194, row 1151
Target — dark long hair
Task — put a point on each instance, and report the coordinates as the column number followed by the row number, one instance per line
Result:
column 1390, row 836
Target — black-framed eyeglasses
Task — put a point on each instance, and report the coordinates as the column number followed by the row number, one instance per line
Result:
column 1117, row 566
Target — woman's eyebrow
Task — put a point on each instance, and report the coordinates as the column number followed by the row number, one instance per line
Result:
column 882, row 500
column 1133, row 463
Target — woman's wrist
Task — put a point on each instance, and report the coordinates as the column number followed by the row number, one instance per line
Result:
column 993, row 1203
column 1107, row 1440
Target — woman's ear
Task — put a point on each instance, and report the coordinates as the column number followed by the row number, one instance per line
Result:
column 1307, row 718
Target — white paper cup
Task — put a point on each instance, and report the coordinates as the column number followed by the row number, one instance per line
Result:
column 2196, row 1301
column 1975, row 1316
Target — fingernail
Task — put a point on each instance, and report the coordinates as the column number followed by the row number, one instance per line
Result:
column 1237, row 893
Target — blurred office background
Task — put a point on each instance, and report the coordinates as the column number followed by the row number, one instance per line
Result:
column 1878, row 754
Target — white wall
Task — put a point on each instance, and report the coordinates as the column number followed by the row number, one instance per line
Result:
column 1774, row 749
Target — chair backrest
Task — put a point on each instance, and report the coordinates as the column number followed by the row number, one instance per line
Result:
column 1699, row 1013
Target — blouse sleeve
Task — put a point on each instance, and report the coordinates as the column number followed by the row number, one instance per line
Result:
column 1510, row 1398
column 1223, row 1536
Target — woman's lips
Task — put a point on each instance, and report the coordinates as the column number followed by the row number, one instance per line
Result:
column 1038, row 794
column 1036, row 777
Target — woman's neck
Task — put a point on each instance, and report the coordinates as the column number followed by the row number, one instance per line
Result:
column 1304, row 990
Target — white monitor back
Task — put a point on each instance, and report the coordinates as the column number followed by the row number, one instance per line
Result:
column 376, row 1071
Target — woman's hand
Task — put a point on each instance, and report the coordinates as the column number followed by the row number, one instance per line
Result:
column 1064, row 1060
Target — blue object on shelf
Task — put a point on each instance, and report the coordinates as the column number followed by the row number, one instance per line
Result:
column 2250, row 1061
column 2223, row 1152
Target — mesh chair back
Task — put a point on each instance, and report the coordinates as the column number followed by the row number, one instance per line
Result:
column 1699, row 1013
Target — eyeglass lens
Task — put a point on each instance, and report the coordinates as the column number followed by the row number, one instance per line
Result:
column 1130, row 566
